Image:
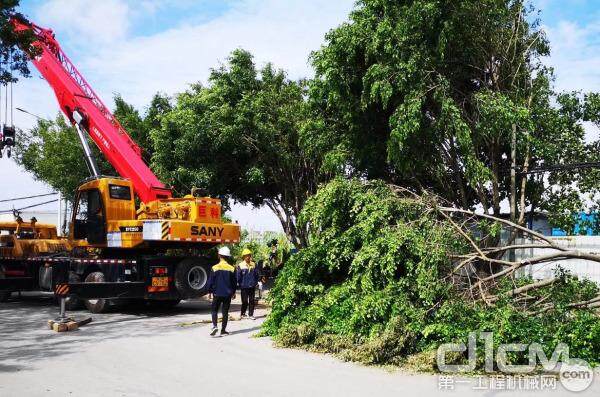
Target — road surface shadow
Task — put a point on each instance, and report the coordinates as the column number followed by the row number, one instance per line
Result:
column 245, row 330
column 25, row 337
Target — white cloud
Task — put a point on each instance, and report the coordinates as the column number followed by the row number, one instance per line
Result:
column 87, row 21
column 575, row 55
column 283, row 32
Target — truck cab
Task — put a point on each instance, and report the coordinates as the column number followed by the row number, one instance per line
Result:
column 100, row 204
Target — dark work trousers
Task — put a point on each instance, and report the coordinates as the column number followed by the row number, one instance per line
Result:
column 248, row 301
column 216, row 302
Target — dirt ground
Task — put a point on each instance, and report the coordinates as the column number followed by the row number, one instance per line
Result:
column 163, row 353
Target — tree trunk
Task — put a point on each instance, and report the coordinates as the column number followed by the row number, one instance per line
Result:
column 297, row 236
column 513, row 174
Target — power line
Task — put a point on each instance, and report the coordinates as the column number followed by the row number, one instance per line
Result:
column 561, row 167
column 28, row 197
column 29, row 206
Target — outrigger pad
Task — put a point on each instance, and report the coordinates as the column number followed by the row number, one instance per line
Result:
column 68, row 325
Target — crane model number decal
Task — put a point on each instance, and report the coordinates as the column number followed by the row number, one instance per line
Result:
column 207, row 231
column 131, row 229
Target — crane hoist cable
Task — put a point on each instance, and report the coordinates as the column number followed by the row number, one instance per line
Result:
column 6, row 104
column 12, row 109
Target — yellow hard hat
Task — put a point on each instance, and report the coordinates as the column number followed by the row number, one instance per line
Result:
column 246, row 251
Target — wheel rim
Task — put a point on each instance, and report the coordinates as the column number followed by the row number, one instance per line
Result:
column 98, row 278
column 197, row 277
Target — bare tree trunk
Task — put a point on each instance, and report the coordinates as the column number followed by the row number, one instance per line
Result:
column 297, row 236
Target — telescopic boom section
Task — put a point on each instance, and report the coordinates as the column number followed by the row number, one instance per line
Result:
column 76, row 97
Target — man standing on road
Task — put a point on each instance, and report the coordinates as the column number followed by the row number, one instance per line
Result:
column 247, row 279
column 221, row 287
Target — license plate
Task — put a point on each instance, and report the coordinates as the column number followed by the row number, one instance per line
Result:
column 160, row 281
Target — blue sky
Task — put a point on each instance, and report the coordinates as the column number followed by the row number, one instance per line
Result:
column 150, row 17
column 581, row 11
column 139, row 47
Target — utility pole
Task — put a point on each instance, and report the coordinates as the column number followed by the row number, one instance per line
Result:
column 59, row 218
column 513, row 174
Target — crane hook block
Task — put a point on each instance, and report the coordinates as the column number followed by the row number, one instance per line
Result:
column 8, row 136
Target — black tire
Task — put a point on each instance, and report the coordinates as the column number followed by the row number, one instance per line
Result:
column 72, row 302
column 96, row 305
column 191, row 277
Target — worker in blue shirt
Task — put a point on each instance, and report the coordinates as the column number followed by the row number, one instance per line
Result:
column 221, row 287
column 247, row 279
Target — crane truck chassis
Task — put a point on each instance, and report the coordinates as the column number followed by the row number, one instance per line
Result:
column 156, row 251
column 33, row 258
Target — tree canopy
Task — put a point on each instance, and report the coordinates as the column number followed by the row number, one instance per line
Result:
column 246, row 137
column 426, row 93
column 13, row 46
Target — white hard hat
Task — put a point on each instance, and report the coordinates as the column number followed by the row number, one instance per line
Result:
column 224, row 251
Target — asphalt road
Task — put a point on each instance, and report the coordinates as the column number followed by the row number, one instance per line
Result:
column 169, row 353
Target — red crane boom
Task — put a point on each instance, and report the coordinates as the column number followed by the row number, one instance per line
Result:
column 75, row 95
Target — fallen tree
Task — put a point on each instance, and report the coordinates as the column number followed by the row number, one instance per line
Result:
column 390, row 275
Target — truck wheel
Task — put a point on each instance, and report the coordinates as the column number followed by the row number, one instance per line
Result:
column 72, row 302
column 191, row 277
column 96, row 305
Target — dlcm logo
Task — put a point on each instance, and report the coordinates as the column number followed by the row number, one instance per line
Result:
column 577, row 375
column 574, row 374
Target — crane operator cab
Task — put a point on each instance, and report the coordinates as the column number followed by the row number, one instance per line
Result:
column 89, row 218
column 99, row 202
column 105, row 215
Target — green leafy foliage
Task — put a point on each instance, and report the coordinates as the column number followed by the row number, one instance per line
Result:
column 247, row 136
column 52, row 153
column 425, row 94
column 373, row 285
column 14, row 47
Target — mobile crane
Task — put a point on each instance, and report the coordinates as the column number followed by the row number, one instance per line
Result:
column 115, row 250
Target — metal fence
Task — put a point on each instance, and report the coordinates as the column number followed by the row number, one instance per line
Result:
column 581, row 268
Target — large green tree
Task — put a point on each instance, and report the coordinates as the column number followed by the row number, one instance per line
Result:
column 247, row 136
column 450, row 96
column 13, row 46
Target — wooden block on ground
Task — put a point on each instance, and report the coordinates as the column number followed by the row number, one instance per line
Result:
column 60, row 327
column 69, row 325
